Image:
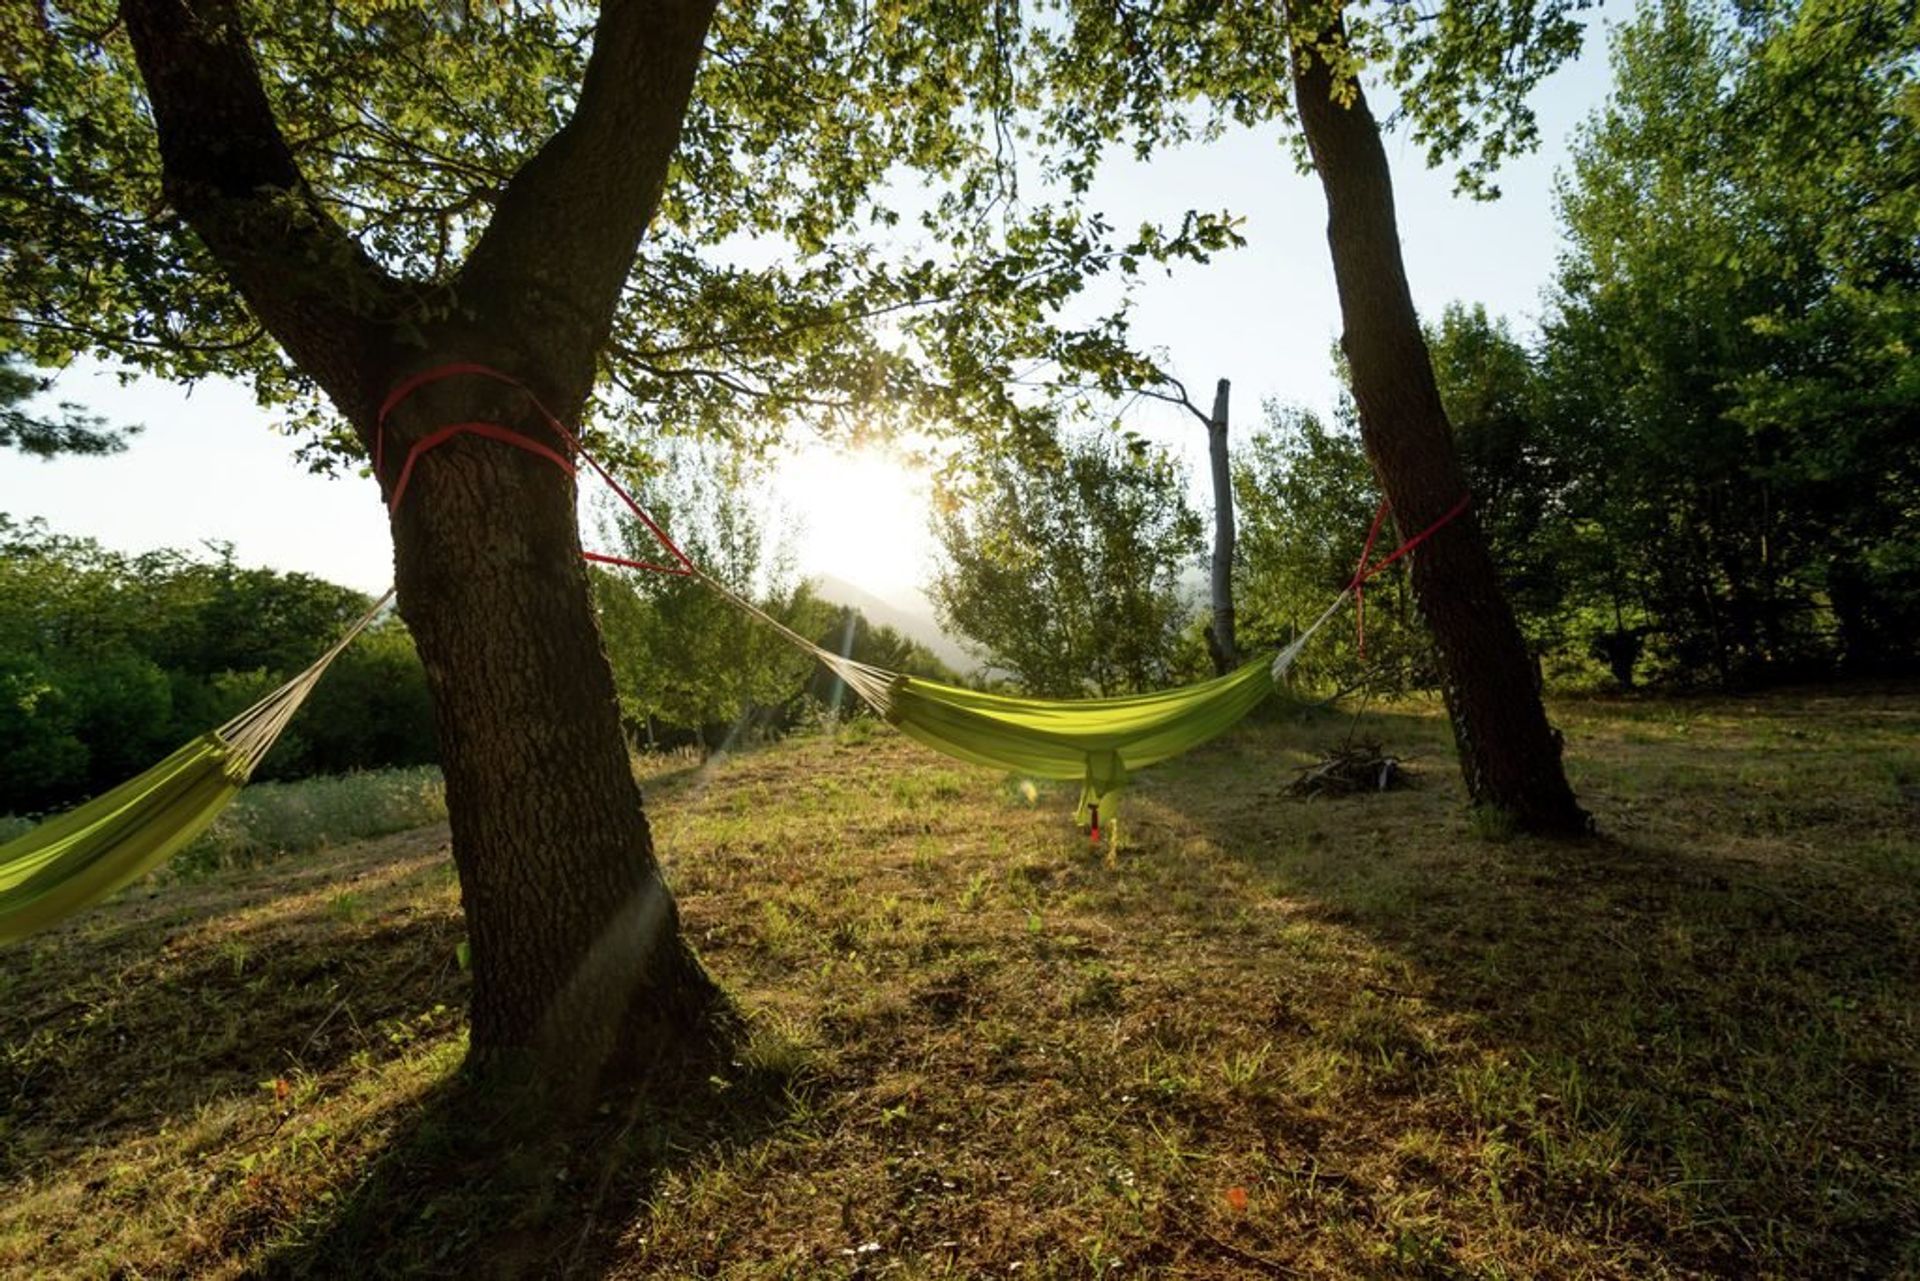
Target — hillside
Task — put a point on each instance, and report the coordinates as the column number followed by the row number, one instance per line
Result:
column 912, row 618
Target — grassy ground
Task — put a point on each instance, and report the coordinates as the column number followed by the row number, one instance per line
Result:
column 1264, row 1038
column 273, row 819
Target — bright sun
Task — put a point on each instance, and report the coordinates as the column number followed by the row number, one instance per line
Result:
column 862, row 517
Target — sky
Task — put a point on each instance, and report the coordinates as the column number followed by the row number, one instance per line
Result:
column 208, row 467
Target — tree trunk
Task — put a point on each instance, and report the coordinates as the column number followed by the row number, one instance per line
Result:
column 1509, row 754
column 1221, row 640
column 579, row 970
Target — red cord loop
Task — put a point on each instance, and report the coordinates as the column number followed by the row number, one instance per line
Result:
column 506, row 435
column 1363, row 571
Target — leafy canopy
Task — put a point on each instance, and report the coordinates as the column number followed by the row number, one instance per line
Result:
column 841, row 243
column 1732, row 344
column 109, row 661
column 682, row 656
column 1159, row 74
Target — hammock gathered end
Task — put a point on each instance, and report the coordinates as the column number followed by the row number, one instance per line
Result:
column 75, row 859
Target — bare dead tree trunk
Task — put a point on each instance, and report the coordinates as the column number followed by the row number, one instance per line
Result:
column 1222, row 642
column 1509, row 754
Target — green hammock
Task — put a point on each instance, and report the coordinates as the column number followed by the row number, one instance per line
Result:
column 1095, row 742
column 75, row 859
column 87, row 853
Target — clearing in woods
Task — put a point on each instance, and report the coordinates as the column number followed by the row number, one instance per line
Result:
column 1270, row 1037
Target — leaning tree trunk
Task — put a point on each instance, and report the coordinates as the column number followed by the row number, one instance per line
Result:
column 1509, row 754
column 579, row 969
column 1222, row 642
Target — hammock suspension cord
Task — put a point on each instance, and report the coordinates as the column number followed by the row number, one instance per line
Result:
column 252, row 733
column 873, row 684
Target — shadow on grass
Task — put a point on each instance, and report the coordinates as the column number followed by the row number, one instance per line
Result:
column 472, row 1187
column 199, row 994
column 270, row 1056
column 1704, row 1045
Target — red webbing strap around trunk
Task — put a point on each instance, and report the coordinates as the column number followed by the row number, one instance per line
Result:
column 492, row 431
column 495, row 431
column 1364, row 571
column 1358, row 584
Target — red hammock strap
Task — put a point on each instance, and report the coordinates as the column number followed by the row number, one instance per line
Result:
column 601, row 558
column 1360, row 576
column 1458, row 509
column 1364, row 571
column 494, row 431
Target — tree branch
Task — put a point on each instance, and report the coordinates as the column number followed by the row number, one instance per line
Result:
column 1181, row 398
column 772, row 337
column 228, row 169
column 723, row 378
column 112, row 338
column 550, row 266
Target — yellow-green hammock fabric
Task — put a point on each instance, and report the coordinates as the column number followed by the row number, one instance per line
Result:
column 77, row 858
column 87, row 853
column 1095, row 742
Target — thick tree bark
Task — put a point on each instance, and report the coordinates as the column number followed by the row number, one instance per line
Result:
column 579, row 968
column 578, row 964
column 1509, row 754
column 1222, row 641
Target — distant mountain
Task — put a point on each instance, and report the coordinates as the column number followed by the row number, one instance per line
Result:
column 912, row 616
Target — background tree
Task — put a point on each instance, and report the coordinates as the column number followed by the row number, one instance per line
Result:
column 1495, row 398
column 1688, row 478
column 108, row 661
column 1068, row 577
column 1730, row 351
column 1136, row 71
column 683, row 658
column 1221, row 631
column 1307, row 495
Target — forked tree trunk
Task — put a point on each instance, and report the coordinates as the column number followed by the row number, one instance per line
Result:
column 1223, row 643
column 579, row 969
column 1509, row 754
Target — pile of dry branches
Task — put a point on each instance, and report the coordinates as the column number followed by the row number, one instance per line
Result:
column 1351, row 768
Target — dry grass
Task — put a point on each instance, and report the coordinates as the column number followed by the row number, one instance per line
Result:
column 1265, row 1037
